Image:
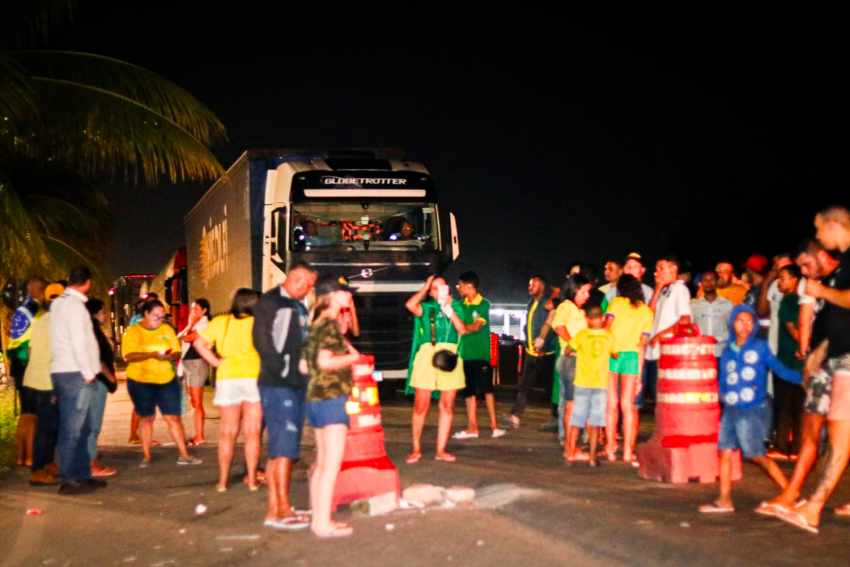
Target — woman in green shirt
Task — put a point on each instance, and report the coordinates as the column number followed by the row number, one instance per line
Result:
column 437, row 328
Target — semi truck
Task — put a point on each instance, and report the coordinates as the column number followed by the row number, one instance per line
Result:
column 370, row 215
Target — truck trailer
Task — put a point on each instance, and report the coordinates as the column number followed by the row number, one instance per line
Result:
column 367, row 214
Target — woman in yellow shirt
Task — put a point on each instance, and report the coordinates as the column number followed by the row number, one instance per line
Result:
column 150, row 348
column 237, row 395
column 630, row 321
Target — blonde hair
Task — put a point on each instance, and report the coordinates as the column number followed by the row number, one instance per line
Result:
column 836, row 214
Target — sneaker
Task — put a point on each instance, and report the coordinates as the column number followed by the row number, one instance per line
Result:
column 511, row 420
column 498, row 433
column 189, row 461
column 75, row 488
column 464, row 434
column 43, row 478
column 100, row 471
column 145, row 463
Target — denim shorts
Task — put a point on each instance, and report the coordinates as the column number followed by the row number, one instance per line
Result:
column 589, row 405
column 566, row 366
column 744, row 429
column 321, row 413
column 147, row 397
column 283, row 414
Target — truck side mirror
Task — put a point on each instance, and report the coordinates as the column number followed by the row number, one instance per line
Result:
column 454, row 237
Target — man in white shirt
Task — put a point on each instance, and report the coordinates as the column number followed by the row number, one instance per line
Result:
column 74, row 364
column 711, row 312
column 672, row 304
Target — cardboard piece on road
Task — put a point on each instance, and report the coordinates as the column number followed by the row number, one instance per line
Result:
column 424, row 494
column 460, row 494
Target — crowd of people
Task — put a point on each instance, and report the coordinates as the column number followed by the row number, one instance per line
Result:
column 783, row 346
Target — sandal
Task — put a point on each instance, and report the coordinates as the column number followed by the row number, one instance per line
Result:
column 291, row 523
column 842, row 511
column 445, row 457
column 336, row 531
column 768, row 509
column 413, row 458
column 798, row 521
column 715, row 508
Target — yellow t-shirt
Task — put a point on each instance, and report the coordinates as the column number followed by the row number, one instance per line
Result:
column 593, row 348
column 37, row 374
column 139, row 339
column 570, row 316
column 233, row 340
column 629, row 324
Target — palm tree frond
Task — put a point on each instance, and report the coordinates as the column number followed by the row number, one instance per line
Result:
column 136, row 83
column 105, row 132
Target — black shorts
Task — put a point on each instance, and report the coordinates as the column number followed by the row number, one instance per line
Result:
column 479, row 378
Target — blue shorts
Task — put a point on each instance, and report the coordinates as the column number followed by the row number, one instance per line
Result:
column 589, row 405
column 567, row 371
column 744, row 429
column 147, row 397
column 283, row 413
column 327, row 412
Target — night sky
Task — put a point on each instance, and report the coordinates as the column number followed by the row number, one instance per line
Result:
column 551, row 142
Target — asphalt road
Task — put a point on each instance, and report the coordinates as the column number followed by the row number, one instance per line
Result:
column 575, row 515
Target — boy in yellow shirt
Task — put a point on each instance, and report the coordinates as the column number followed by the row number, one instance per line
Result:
column 594, row 346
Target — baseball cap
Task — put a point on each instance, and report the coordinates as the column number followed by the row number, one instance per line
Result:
column 54, row 290
column 757, row 263
column 634, row 256
column 330, row 284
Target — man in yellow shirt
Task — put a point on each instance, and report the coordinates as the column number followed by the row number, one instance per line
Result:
column 593, row 346
column 725, row 286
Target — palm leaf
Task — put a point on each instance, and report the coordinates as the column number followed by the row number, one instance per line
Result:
column 17, row 103
column 150, row 90
column 24, row 248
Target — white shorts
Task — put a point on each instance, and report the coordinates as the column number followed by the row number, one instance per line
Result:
column 234, row 391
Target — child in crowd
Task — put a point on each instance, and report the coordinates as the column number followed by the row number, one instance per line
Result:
column 743, row 368
column 594, row 346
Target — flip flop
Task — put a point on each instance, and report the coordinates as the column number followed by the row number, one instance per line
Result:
column 713, row 508
column 292, row 523
column 445, row 457
column 768, row 509
column 413, row 458
column 842, row 511
column 336, row 531
column 798, row 521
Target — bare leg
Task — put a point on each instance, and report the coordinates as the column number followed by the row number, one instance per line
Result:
column 490, row 402
column 252, row 417
column 444, row 424
column 284, row 483
column 572, row 439
column 228, row 430
column 175, row 428
column 594, row 435
column 809, row 440
column 273, row 488
column 839, row 440
column 772, row 470
column 324, row 480
column 421, row 403
column 318, row 466
column 146, row 429
column 471, row 415
column 612, row 417
column 724, row 499
column 134, row 427
column 630, row 415
column 196, row 396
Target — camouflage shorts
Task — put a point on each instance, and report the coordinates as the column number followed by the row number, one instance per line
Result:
column 819, row 391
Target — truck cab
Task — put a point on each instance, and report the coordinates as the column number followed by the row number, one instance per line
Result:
column 368, row 215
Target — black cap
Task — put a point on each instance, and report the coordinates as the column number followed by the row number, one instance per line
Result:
column 330, row 284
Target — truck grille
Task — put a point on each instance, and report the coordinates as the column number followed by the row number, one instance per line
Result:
column 386, row 329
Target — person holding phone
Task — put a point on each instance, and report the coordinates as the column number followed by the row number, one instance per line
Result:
column 150, row 350
column 437, row 330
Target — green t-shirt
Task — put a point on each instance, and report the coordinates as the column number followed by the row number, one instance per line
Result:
column 789, row 312
column 474, row 346
column 444, row 330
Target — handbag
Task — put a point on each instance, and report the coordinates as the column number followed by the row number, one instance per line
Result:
column 443, row 359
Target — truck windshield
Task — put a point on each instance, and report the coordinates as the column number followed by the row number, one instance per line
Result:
column 357, row 226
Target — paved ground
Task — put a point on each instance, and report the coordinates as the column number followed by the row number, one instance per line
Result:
column 582, row 516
